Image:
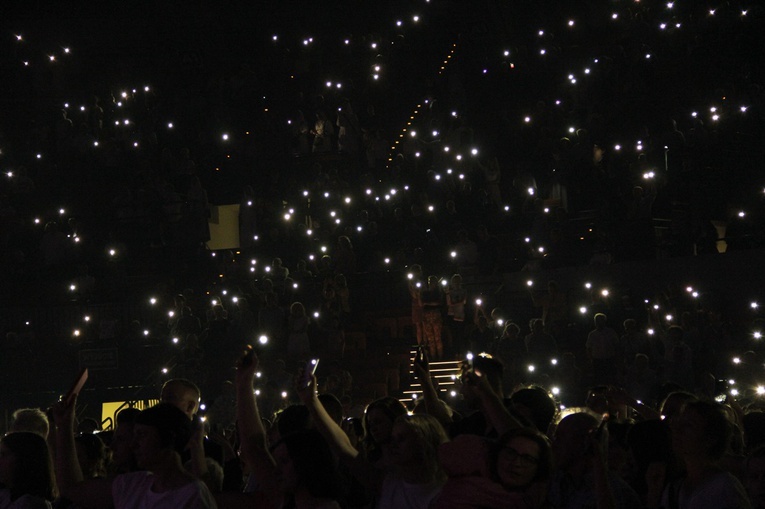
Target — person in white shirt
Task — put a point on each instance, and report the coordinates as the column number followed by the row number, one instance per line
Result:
column 160, row 435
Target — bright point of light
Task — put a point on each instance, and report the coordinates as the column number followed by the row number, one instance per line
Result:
column 555, row 390
column 583, row 310
column 736, row 360
column 263, row 339
column 146, row 332
column 754, row 305
column 571, row 22
column 531, row 368
column 225, row 137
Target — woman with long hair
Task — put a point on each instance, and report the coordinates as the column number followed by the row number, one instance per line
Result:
column 378, row 425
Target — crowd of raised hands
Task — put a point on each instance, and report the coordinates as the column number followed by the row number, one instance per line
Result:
column 520, row 450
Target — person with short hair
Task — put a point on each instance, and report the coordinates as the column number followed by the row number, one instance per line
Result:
column 161, row 433
column 26, row 472
column 30, row 419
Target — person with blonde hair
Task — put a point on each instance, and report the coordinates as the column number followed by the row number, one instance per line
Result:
column 30, row 419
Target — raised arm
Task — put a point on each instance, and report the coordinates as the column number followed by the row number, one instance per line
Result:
column 90, row 494
column 365, row 472
column 433, row 405
column 333, row 434
column 492, row 405
column 252, row 434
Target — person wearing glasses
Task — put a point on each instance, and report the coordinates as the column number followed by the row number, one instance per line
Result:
column 510, row 473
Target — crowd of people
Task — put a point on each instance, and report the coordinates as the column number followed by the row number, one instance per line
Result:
column 495, row 449
column 563, row 397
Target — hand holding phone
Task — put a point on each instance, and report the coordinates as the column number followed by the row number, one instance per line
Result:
column 421, row 358
column 308, row 371
column 74, row 391
column 248, row 357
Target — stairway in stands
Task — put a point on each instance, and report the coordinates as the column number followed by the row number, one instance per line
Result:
column 445, row 373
